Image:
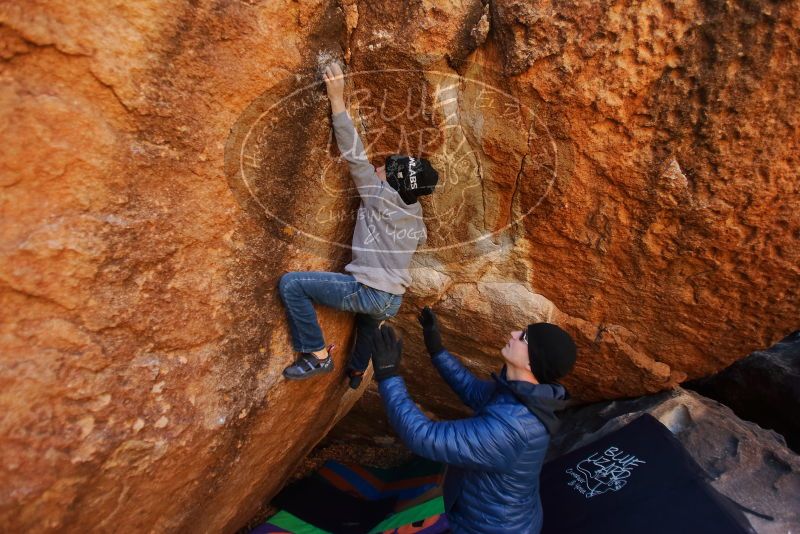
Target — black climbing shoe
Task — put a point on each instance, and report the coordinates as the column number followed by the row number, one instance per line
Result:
column 308, row 365
column 355, row 377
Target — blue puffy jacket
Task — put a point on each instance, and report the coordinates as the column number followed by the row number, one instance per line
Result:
column 494, row 457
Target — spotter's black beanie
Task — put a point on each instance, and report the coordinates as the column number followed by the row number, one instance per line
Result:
column 551, row 352
column 411, row 177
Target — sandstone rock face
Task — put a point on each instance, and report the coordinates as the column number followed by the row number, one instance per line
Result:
column 648, row 208
column 627, row 172
column 750, row 465
column 142, row 338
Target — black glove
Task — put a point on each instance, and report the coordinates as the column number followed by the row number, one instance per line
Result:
column 430, row 329
column 386, row 351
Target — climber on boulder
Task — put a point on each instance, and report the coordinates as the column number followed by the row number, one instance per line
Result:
column 494, row 457
column 389, row 227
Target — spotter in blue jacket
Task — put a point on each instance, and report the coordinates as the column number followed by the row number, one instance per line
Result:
column 494, row 457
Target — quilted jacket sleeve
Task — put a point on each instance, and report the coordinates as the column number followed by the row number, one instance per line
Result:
column 486, row 441
column 352, row 150
column 472, row 391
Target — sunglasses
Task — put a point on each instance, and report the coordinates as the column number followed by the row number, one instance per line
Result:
column 524, row 335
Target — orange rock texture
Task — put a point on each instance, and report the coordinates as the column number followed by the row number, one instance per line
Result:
column 142, row 336
column 626, row 170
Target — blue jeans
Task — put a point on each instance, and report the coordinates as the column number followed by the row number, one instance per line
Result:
column 299, row 290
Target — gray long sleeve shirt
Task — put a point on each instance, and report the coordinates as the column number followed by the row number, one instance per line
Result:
column 387, row 230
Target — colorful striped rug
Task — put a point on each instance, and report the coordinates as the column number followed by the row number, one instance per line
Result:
column 425, row 518
column 407, row 494
column 405, row 483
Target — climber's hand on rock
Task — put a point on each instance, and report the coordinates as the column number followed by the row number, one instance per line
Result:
column 430, row 330
column 386, row 351
column 334, row 83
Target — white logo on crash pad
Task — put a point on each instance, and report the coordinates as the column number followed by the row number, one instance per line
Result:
column 602, row 472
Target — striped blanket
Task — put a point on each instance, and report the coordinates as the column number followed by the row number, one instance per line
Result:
column 347, row 498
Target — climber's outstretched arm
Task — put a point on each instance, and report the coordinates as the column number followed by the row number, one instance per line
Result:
column 352, row 149
column 334, row 84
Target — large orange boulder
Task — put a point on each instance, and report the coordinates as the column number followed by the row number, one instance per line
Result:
column 635, row 182
column 142, row 337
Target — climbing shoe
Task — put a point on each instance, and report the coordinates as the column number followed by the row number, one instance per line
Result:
column 308, row 365
column 355, row 377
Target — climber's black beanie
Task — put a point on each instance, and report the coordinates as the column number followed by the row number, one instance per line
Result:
column 411, row 177
column 551, row 352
